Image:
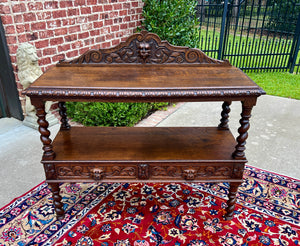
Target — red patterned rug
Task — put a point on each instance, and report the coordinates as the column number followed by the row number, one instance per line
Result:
column 174, row 214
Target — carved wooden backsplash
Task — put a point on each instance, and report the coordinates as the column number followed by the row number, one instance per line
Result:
column 144, row 48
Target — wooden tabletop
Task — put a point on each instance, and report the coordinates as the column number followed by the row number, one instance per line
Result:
column 142, row 82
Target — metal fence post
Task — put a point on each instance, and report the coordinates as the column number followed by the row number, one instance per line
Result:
column 222, row 32
column 295, row 47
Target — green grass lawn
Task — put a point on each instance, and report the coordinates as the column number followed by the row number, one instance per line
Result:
column 281, row 84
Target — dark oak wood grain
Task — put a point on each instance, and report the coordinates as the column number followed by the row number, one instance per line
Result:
column 144, row 69
column 144, row 77
column 144, row 144
column 143, row 82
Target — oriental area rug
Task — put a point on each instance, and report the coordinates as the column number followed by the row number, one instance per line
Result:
column 142, row 214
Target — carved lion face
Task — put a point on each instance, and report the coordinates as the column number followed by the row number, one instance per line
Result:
column 144, row 50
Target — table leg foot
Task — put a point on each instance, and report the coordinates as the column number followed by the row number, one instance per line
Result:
column 58, row 205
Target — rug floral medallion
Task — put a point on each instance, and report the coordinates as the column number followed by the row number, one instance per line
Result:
column 144, row 214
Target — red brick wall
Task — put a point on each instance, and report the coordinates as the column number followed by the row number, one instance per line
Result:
column 62, row 29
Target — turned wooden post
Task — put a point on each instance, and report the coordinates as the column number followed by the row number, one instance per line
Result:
column 225, row 115
column 243, row 130
column 43, row 129
column 58, row 205
column 63, row 114
column 231, row 200
column 48, row 154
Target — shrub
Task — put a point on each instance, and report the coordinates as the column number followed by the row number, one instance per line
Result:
column 172, row 20
column 110, row 114
column 283, row 15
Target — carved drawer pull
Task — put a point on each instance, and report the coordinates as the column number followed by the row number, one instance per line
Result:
column 97, row 173
column 189, row 174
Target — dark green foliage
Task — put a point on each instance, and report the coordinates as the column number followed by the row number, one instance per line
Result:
column 283, row 15
column 110, row 114
column 172, row 20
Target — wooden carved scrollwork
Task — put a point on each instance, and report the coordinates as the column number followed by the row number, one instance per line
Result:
column 70, row 171
column 144, row 171
column 223, row 171
column 153, row 93
column 208, row 171
column 191, row 173
column 123, row 171
column 96, row 172
column 165, row 171
column 145, row 47
column 172, row 171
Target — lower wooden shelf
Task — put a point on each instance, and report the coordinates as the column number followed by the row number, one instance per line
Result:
column 145, row 153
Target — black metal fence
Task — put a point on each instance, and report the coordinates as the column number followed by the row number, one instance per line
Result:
column 254, row 35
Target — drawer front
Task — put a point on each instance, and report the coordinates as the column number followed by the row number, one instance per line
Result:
column 151, row 172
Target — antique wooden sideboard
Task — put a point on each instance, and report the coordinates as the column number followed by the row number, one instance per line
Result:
column 144, row 69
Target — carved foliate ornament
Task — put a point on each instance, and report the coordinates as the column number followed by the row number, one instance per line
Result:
column 123, row 171
column 144, row 48
column 153, row 93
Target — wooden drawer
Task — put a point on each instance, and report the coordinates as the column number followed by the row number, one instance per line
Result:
column 162, row 172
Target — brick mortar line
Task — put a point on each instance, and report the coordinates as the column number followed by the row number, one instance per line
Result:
column 71, row 42
column 68, row 17
column 61, row 35
column 27, row 11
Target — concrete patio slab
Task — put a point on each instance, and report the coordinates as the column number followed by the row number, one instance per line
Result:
column 20, row 156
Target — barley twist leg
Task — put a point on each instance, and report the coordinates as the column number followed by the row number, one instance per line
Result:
column 243, row 133
column 58, row 205
column 63, row 114
column 225, row 115
column 43, row 129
